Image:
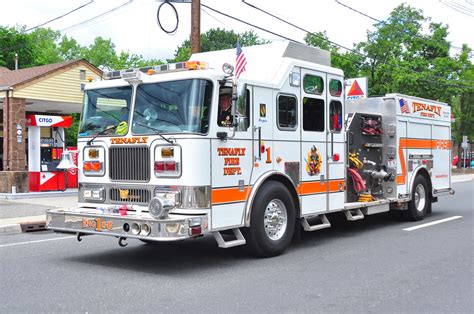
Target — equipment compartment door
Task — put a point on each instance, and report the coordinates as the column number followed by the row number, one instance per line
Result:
column 313, row 186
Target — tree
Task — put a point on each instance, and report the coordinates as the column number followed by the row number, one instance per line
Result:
column 348, row 61
column 217, row 39
column 14, row 41
column 69, row 49
column 46, row 48
column 400, row 58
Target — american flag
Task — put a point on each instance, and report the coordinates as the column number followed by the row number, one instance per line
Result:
column 240, row 61
column 404, row 106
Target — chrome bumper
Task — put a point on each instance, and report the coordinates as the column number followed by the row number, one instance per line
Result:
column 92, row 221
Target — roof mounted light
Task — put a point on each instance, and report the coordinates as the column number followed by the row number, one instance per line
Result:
column 228, row 69
column 131, row 75
column 196, row 65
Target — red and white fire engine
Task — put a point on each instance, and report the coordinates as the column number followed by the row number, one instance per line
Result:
column 160, row 159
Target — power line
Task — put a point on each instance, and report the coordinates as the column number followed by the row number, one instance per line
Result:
column 61, row 16
column 380, row 21
column 250, row 24
column 96, row 17
column 458, row 7
column 360, row 54
column 338, row 55
column 302, row 29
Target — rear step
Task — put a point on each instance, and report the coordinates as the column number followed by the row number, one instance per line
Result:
column 324, row 223
column 239, row 239
column 354, row 214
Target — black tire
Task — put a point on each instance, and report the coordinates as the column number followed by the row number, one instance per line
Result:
column 420, row 203
column 271, row 196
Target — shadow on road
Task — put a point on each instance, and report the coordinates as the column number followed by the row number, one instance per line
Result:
column 202, row 254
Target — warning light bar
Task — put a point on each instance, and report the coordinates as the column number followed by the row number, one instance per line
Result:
column 157, row 69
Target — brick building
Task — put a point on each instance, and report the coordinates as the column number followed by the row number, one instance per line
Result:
column 53, row 89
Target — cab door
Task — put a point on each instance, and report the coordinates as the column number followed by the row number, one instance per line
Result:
column 231, row 164
column 336, row 142
column 313, row 185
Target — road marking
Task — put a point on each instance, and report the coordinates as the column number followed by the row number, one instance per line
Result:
column 36, row 241
column 432, row 223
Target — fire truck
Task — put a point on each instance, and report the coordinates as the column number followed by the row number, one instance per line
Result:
column 162, row 157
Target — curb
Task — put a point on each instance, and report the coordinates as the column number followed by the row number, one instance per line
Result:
column 23, row 227
column 14, row 228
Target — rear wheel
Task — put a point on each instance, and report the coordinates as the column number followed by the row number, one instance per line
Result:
column 420, row 203
column 272, row 221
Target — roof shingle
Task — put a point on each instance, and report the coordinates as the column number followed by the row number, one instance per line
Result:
column 11, row 78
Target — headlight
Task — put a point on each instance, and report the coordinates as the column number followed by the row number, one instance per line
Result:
column 93, row 161
column 186, row 196
column 93, row 194
column 167, row 162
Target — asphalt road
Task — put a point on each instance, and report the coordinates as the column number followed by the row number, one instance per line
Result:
column 372, row 265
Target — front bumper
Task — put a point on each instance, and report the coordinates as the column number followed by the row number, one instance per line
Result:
column 93, row 221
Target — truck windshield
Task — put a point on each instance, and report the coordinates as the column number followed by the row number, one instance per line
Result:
column 104, row 109
column 173, row 107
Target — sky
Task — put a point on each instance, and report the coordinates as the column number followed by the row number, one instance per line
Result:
column 133, row 27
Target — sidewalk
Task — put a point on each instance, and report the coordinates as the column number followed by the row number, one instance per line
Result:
column 26, row 212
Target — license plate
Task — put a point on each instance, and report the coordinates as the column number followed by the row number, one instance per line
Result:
column 98, row 224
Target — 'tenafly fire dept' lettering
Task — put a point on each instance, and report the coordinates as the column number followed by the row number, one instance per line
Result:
column 129, row 140
column 226, row 151
column 417, row 106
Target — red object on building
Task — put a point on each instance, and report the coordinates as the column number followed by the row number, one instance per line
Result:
column 44, row 153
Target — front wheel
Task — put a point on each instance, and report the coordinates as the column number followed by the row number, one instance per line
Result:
column 420, row 202
column 272, row 220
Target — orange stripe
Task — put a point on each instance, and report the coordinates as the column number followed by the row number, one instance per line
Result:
column 229, row 195
column 420, row 144
column 315, row 187
column 334, row 185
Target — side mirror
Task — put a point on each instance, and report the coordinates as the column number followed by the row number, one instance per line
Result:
column 240, row 107
column 242, row 123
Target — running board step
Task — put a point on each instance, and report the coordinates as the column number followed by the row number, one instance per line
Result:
column 239, row 239
column 355, row 214
column 323, row 224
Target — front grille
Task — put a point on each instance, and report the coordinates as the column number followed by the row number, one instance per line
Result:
column 130, row 196
column 129, row 163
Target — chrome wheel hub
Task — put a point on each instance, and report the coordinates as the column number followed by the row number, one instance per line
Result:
column 275, row 220
column 420, row 197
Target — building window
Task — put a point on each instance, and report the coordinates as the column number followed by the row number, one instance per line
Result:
column 313, row 114
column 313, row 84
column 82, row 74
column 286, row 112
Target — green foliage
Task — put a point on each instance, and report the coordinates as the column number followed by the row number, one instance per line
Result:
column 73, row 131
column 13, row 40
column 217, row 39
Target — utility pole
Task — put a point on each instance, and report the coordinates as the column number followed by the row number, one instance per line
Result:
column 196, row 26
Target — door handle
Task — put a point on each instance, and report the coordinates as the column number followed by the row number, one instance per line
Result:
column 259, row 130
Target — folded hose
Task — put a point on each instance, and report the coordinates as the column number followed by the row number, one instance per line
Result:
column 359, row 184
column 354, row 161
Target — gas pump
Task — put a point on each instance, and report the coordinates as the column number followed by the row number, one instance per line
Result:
column 46, row 142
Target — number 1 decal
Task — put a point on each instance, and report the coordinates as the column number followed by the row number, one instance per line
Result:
column 269, row 159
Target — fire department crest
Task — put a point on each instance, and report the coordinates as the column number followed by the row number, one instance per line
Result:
column 314, row 162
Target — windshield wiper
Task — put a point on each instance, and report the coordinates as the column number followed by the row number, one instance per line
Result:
column 89, row 142
column 157, row 132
